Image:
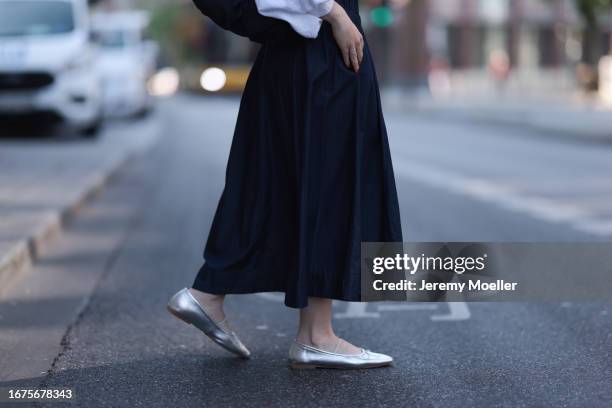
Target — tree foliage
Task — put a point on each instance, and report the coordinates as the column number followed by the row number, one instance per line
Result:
column 591, row 8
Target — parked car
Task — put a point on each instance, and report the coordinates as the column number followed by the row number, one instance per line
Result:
column 125, row 61
column 46, row 62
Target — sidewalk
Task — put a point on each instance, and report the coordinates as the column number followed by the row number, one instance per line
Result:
column 574, row 118
column 44, row 181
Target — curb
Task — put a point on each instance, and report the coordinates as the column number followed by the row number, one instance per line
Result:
column 515, row 120
column 560, row 133
column 24, row 253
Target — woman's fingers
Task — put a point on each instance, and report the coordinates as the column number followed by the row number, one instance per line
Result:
column 347, row 36
column 360, row 51
column 346, row 57
column 357, row 53
column 354, row 59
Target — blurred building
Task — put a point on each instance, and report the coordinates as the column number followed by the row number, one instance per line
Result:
column 532, row 32
column 538, row 42
column 539, row 46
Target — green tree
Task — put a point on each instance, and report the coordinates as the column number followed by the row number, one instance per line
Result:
column 592, row 44
column 591, row 8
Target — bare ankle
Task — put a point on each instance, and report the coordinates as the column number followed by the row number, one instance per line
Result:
column 211, row 303
column 317, row 339
column 207, row 297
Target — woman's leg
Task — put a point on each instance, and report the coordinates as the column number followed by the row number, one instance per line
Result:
column 205, row 312
column 315, row 328
column 213, row 304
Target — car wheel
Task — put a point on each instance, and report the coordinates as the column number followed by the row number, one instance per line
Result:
column 146, row 108
column 142, row 112
column 93, row 130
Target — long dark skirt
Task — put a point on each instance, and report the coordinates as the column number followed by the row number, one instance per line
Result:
column 309, row 175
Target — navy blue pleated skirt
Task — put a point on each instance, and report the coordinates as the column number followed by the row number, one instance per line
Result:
column 309, row 175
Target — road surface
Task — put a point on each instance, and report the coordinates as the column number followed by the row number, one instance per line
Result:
column 142, row 239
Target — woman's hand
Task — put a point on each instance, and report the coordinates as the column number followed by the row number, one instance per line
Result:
column 347, row 36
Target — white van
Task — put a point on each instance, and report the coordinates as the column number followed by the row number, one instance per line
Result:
column 46, row 62
column 125, row 60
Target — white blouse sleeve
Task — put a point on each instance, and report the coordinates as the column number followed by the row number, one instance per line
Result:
column 303, row 15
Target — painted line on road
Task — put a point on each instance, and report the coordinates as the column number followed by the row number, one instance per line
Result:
column 418, row 306
column 503, row 196
column 457, row 311
column 356, row 310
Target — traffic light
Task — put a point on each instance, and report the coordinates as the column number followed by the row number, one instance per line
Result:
column 382, row 16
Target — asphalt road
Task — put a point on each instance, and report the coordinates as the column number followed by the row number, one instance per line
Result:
column 142, row 240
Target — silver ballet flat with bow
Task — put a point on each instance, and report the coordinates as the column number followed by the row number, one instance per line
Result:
column 302, row 356
column 184, row 306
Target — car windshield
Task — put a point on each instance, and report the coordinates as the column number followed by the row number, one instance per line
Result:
column 21, row 18
column 110, row 39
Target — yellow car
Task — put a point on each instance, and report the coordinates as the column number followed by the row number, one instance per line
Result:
column 216, row 78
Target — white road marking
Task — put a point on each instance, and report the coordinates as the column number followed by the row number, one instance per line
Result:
column 457, row 311
column 503, row 196
column 412, row 306
column 561, row 186
column 275, row 297
column 357, row 310
column 598, row 227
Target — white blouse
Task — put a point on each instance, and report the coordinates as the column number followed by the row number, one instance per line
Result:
column 303, row 15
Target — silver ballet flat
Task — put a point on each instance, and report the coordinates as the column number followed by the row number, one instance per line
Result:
column 184, row 306
column 302, row 356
